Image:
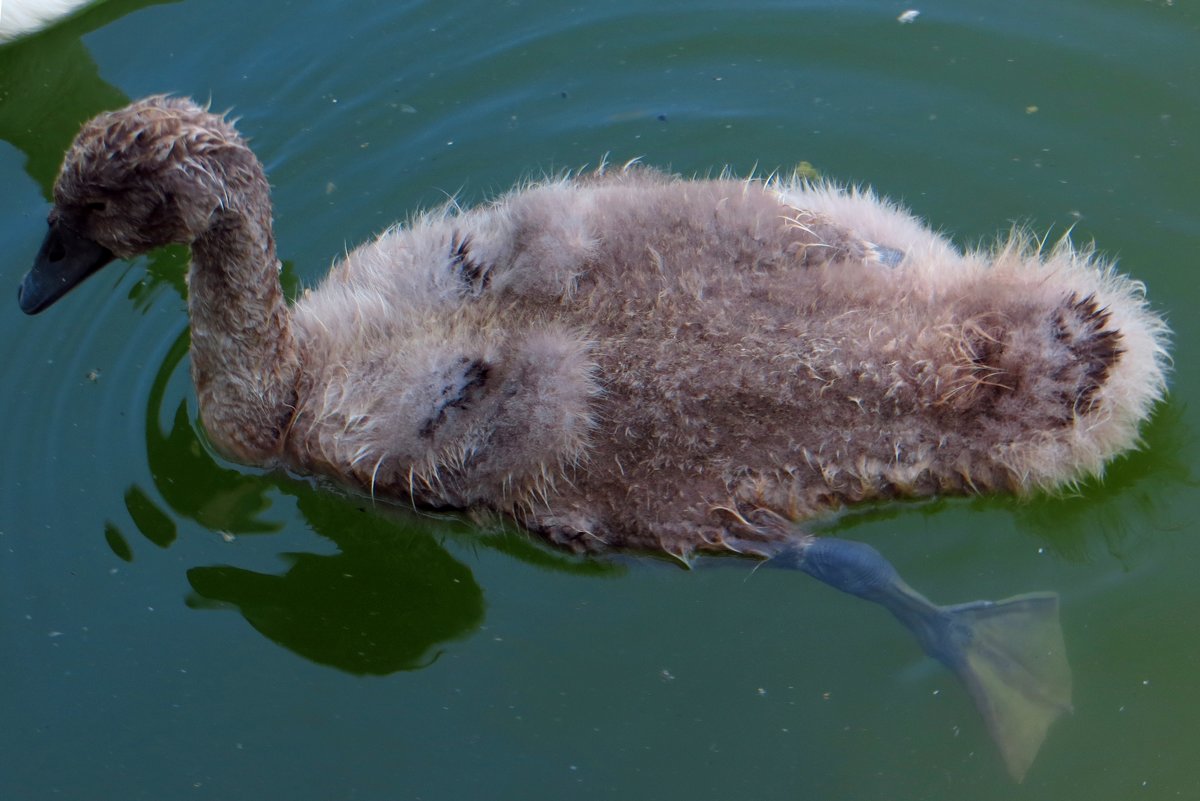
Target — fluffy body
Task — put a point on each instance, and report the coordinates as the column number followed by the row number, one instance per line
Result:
column 627, row 359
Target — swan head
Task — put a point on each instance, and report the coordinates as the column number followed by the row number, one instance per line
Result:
column 157, row 172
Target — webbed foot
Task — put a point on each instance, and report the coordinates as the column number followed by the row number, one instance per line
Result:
column 1008, row 654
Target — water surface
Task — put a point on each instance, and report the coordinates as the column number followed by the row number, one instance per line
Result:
column 174, row 626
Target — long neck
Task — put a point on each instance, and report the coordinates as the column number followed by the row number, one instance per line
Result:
column 244, row 359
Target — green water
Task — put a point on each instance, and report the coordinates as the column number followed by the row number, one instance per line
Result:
column 172, row 626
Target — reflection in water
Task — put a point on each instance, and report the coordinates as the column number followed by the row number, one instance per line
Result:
column 1095, row 513
column 383, row 603
column 49, row 86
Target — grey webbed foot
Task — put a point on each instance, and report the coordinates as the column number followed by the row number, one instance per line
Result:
column 1008, row 654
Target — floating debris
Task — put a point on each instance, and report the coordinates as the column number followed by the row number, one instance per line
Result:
column 807, row 171
column 908, row 16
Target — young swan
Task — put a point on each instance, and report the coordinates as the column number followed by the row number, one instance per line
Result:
column 631, row 360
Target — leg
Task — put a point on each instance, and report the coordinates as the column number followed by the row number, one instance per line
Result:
column 1009, row 654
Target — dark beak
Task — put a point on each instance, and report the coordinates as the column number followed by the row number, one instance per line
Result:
column 65, row 259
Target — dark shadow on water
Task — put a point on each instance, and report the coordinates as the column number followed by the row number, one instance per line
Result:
column 1096, row 514
column 384, row 603
column 387, row 601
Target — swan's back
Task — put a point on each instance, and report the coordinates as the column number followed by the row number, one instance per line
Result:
column 624, row 358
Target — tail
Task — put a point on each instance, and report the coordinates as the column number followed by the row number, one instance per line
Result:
column 1011, row 658
column 1009, row 654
